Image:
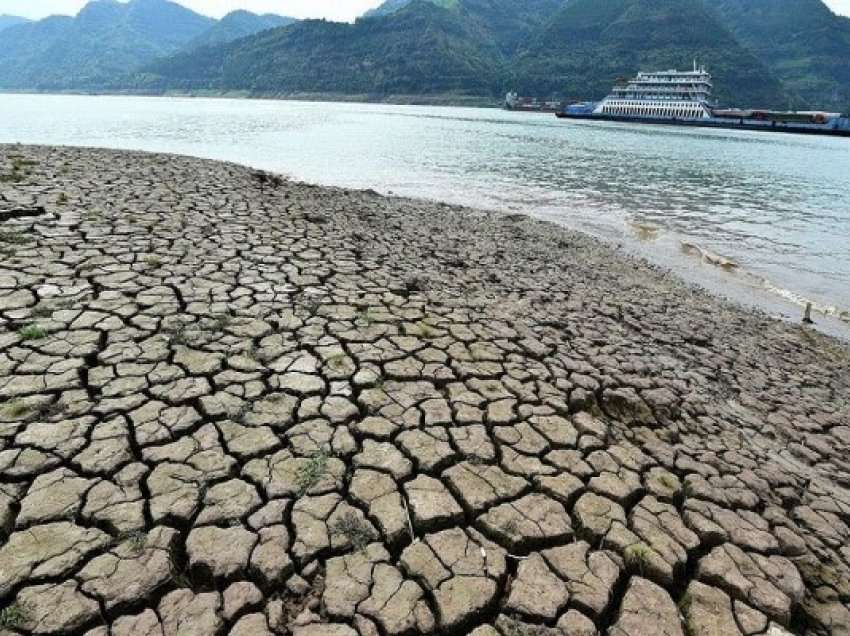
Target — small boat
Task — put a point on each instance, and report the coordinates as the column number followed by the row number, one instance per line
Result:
column 531, row 104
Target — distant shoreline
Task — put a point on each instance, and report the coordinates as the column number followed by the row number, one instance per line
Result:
column 458, row 101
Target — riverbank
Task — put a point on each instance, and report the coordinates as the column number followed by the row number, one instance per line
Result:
column 233, row 403
column 438, row 99
column 785, row 238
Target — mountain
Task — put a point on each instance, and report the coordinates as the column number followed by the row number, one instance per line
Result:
column 801, row 41
column 481, row 47
column 590, row 43
column 107, row 38
column 391, row 6
column 419, row 49
column 508, row 22
column 769, row 53
column 238, row 24
column 7, row 21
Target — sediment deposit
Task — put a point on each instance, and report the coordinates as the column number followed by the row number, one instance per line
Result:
column 234, row 404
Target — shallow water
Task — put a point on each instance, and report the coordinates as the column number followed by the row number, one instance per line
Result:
column 775, row 206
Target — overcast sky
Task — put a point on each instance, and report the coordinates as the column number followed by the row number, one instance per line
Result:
column 331, row 9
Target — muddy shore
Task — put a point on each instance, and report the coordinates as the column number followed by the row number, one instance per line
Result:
column 236, row 404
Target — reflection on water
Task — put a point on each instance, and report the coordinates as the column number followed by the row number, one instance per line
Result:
column 778, row 206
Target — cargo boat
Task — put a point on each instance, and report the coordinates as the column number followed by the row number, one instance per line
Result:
column 532, row 104
column 683, row 98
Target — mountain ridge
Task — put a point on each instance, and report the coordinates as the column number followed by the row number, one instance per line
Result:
column 807, row 43
column 762, row 53
column 7, row 21
column 108, row 39
column 239, row 24
column 531, row 50
column 622, row 37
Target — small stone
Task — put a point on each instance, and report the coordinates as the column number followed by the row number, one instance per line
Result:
column 251, row 625
column 527, row 521
column 590, row 576
column 536, row 591
column 144, row 624
column 46, row 551
column 482, row 486
column 134, row 569
column 596, row 514
column 575, row 623
column 647, row 610
column 222, row 552
column 55, row 608
column 324, row 630
column 709, row 611
column 184, row 613
column 431, row 504
column 270, row 558
column 239, row 596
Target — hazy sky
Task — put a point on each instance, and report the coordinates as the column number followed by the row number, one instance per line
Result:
column 331, row 9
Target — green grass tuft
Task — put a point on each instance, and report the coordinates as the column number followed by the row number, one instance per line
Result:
column 15, row 409
column 32, row 332
column 13, row 238
column 13, row 616
column 350, row 526
column 637, row 557
column 312, row 472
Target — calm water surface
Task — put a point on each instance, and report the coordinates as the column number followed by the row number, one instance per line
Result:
column 776, row 205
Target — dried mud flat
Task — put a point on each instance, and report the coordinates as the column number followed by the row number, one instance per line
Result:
column 232, row 404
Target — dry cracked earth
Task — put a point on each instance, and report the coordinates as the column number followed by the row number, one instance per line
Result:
column 233, row 404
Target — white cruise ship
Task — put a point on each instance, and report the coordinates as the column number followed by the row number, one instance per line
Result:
column 683, row 98
column 662, row 95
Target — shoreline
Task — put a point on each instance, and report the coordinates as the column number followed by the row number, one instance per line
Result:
column 777, row 291
column 346, row 414
column 447, row 99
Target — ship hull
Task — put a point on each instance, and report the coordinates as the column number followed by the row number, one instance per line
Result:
column 533, row 109
column 756, row 125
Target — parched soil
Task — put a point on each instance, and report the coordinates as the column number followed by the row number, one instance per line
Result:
column 234, row 404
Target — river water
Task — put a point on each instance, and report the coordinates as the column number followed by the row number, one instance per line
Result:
column 774, row 209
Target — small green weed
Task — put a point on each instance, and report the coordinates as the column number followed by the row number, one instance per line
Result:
column 222, row 321
column 178, row 335
column 42, row 311
column 637, row 556
column 13, row 616
column 13, row 238
column 32, row 332
column 510, row 527
column 423, row 330
column 337, row 362
column 312, row 472
column 136, row 541
column 350, row 526
column 15, row 409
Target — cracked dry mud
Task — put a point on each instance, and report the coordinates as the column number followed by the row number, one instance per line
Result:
column 232, row 404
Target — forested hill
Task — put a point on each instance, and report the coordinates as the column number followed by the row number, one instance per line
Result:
column 108, row 40
column 805, row 44
column 238, row 24
column 418, row 50
column 481, row 47
column 7, row 21
column 588, row 43
column 770, row 53
column 105, row 39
